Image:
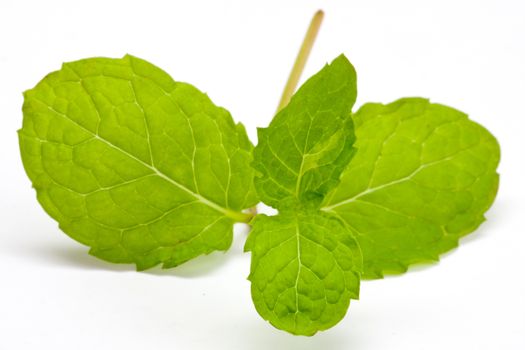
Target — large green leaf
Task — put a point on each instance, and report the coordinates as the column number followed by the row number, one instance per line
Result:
column 301, row 155
column 423, row 177
column 305, row 268
column 139, row 167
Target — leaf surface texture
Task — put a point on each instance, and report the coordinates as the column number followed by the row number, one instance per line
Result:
column 305, row 269
column 303, row 152
column 423, row 176
column 305, row 264
column 139, row 167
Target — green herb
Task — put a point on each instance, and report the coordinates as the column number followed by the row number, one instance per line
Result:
column 146, row 170
column 305, row 268
column 305, row 265
column 423, row 177
column 303, row 152
column 140, row 168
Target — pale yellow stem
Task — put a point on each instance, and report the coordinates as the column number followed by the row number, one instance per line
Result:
column 301, row 59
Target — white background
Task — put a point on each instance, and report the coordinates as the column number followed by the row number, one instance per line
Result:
column 467, row 54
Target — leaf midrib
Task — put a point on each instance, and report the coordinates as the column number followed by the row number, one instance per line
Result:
column 237, row 216
column 391, row 183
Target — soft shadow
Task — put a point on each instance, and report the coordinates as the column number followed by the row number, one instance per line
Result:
column 266, row 338
column 67, row 256
column 76, row 256
column 497, row 214
column 203, row 265
column 66, row 253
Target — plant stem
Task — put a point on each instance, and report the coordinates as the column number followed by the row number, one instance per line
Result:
column 301, row 59
column 291, row 85
column 240, row 216
column 253, row 210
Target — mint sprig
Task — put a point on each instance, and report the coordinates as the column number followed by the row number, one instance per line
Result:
column 147, row 170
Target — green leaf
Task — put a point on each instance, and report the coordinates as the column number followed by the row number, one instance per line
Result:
column 423, row 177
column 139, row 167
column 305, row 269
column 305, row 264
column 301, row 155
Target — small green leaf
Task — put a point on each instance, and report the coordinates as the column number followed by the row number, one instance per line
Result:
column 301, row 155
column 305, row 264
column 423, row 177
column 305, row 269
column 139, row 167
